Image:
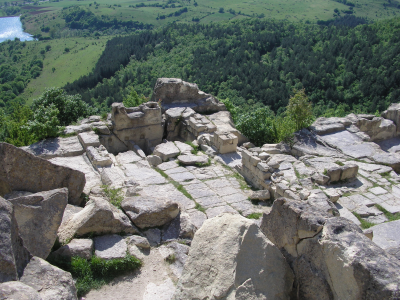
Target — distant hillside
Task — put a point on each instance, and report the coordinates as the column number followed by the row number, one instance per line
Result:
column 257, row 62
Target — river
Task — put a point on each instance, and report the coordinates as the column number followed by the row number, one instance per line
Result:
column 10, row 28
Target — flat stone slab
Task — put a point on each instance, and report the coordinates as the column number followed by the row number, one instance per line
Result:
column 204, row 173
column 168, row 190
column 210, row 201
column 387, row 235
column 234, row 198
column 218, row 183
column 192, row 160
column 231, row 159
column 56, row 147
column 144, row 176
column 127, row 157
column 166, row 151
column 183, row 147
column 167, row 165
column 215, row 211
column 89, row 139
column 378, row 191
column 176, row 170
column 199, row 191
column 183, row 176
column 110, row 246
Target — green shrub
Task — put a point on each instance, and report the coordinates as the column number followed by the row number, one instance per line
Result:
column 255, row 216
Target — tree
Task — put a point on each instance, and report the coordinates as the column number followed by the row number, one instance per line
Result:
column 221, row 10
column 70, row 107
column 299, row 110
column 45, row 122
column 133, row 99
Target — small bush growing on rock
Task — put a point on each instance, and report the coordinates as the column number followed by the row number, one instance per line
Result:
column 114, row 195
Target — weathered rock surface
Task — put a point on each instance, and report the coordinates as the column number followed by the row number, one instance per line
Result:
column 110, row 246
column 149, row 211
column 138, row 241
column 175, row 254
column 49, row 281
column 192, row 160
column 13, row 255
column 387, row 235
column 56, row 147
column 22, row 171
column 39, row 216
column 89, row 139
column 100, row 217
column 166, row 151
column 229, row 253
column 174, row 92
column 15, row 290
column 330, row 256
column 77, row 247
column 260, row 195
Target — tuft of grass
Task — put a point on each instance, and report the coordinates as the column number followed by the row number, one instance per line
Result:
column 385, row 174
column 171, row 258
column 325, row 172
column 389, row 215
column 104, row 116
column 346, row 194
column 254, row 216
column 96, row 272
column 339, row 163
column 195, row 148
column 96, row 130
column 114, row 195
column 364, row 224
column 200, row 208
column 241, row 180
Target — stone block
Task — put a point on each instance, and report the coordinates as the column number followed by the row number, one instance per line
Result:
column 89, row 139
column 110, row 246
column 99, row 157
column 224, row 142
column 334, row 174
column 349, row 171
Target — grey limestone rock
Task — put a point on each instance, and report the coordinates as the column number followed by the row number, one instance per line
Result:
column 110, row 246
column 77, row 247
column 226, row 252
column 149, row 211
column 15, row 290
column 192, row 160
column 166, row 151
column 49, row 281
column 56, row 147
column 22, row 171
column 13, row 255
column 39, row 217
column 99, row 216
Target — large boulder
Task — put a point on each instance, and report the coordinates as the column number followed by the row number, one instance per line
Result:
column 13, row 255
column 174, row 92
column 393, row 114
column 100, row 217
column 230, row 258
column 149, row 211
column 39, row 216
column 15, row 290
column 22, row 171
column 49, row 281
column 330, row 256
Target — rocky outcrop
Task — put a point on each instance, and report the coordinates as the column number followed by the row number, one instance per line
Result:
column 49, row 281
column 174, row 92
column 330, row 256
column 99, row 217
column 16, row 164
column 39, row 216
column 150, row 212
column 13, row 255
column 15, row 290
column 231, row 259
